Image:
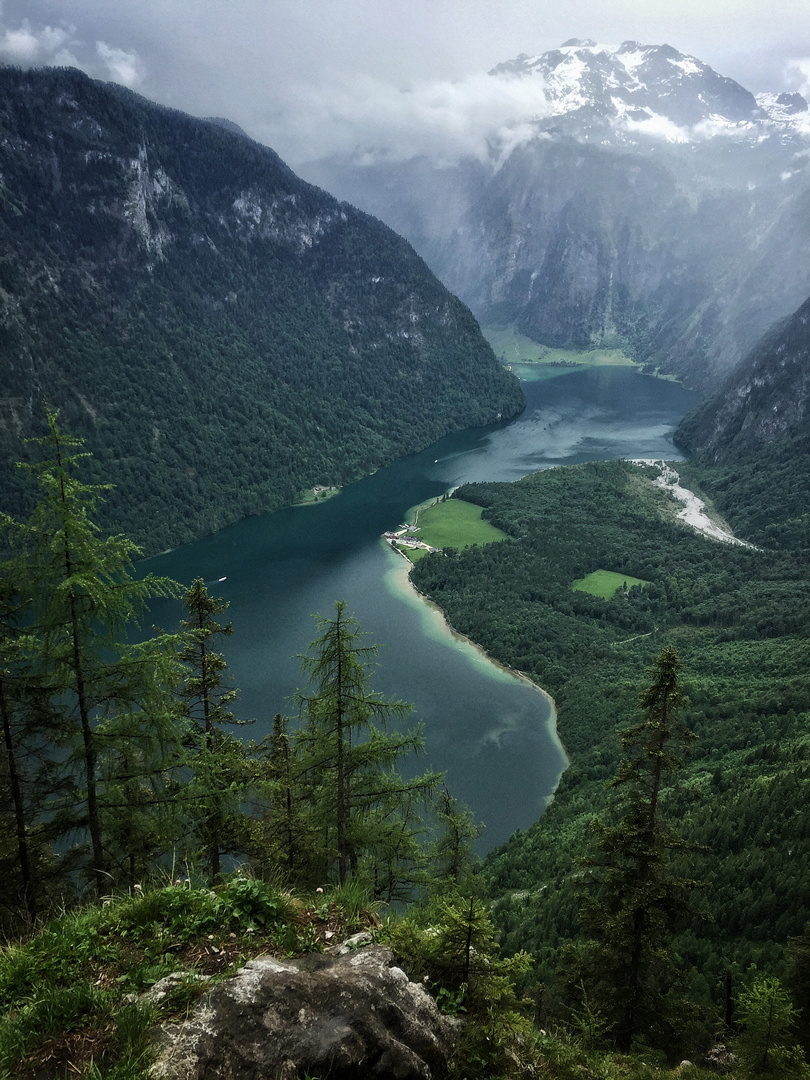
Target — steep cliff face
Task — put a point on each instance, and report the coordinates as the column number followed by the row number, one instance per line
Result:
column 767, row 400
column 223, row 333
column 650, row 201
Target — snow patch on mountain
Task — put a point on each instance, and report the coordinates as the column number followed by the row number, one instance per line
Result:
column 631, row 96
column 649, row 91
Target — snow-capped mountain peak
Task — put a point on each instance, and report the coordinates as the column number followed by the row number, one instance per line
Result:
column 653, row 87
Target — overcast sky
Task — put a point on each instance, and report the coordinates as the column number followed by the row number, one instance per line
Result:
column 310, row 77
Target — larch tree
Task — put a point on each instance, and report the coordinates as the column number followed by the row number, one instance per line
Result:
column 766, row 1040
column 281, row 833
column 631, row 892
column 86, row 602
column 23, row 730
column 217, row 761
column 454, row 859
column 361, row 807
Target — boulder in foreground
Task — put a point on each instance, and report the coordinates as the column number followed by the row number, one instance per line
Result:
column 353, row 1016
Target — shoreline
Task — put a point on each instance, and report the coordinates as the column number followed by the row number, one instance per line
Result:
column 401, row 571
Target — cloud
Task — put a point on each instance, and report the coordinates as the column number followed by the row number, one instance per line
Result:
column 313, row 79
column 122, row 67
column 476, row 116
column 482, row 116
column 28, row 45
column 25, row 45
column 659, row 127
column 799, row 73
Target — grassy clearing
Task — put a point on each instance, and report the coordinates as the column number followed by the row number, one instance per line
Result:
column 512, row 347
column 455, row 524
column 451, row 523
column 606, row 583
column 316, row 495
column 414, row 554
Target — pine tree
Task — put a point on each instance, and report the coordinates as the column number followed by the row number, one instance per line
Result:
column 765, row 1043
column 797, row 981
column 281, row 834
column 454, row 953
column 453, row 859
column 631, row 893
column 21, row 739
column 85, row 602
column 217, row 761
column 360, row 806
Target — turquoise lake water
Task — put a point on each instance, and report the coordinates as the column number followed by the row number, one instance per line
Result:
column 492, row 732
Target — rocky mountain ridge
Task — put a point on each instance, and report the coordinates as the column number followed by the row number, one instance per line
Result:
column 224, row 334
column 650, row 203
column 649, row 88
column 766, row 400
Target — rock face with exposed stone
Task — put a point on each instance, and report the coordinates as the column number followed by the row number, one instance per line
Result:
column 350, row 1017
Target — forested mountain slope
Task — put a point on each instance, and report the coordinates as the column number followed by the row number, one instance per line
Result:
column 224, row 334
column 739, row 619
column 752, row 438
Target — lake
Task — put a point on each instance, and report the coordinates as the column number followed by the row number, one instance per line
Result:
column 492, row 732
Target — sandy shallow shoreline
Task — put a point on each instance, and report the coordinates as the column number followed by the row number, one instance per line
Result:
column 401, row 575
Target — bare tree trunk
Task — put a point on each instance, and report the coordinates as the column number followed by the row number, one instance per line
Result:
column 29, row 888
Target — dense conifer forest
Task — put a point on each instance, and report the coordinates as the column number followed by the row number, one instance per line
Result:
column 658, row 906
column 225, row 334
column 738, row 617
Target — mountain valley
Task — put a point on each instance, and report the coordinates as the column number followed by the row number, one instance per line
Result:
column 229, row 340
column 225, row 335
column 650, row 203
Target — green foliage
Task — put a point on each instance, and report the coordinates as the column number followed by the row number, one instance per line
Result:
column 364, row 813
column 29, row 729
column 234, row 360
column 739, row 620
column 252, row 902
column 764, row 1044
column 764, row 489
column 452, row 951
column 217, row 762
column 111, row 701
column 61, row 1011
column 797, row 980
column 65, row 993
column 452, row 858
column 281, row 836
column 631, row 897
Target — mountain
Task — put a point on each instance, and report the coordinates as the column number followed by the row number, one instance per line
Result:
column 643, row 200
column 632, row 85
column 752, row 438
column 222, row 333
column 765, row 401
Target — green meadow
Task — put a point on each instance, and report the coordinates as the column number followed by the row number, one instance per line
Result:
column 512, row 347
column 605, row 583
column 451, row 523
